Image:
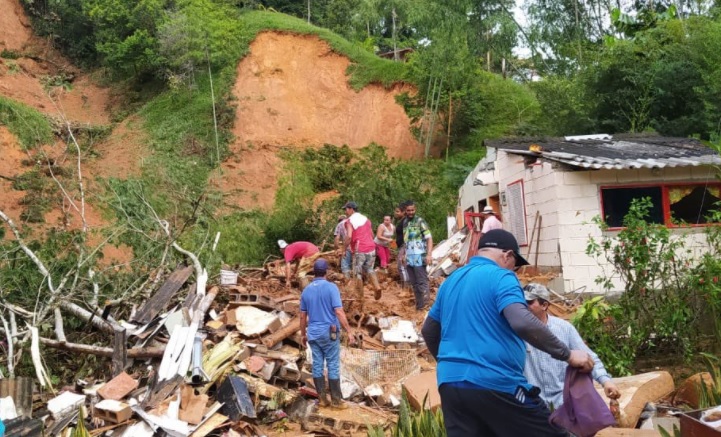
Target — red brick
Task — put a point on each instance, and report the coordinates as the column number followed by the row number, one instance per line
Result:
column 118, row 387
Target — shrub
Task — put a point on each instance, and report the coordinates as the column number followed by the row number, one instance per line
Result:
column 659, row 304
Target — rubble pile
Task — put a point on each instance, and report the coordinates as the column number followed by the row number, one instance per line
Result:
column 228, row 361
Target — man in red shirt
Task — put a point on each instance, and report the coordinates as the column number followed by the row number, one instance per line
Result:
column 359, row 237
column 295, row 252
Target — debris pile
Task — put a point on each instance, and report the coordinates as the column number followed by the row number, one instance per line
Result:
column 228, row 359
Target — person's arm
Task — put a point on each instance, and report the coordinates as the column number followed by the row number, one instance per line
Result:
column 303, row 324
column 429, row 242
column 287, row 274
column 379, row 233
column 336, row 242
column 533, row 331
column 348, row 235
column 344, row 323
column 431, row 332
column 599, row 372
column 429, row 250
column 342, row 319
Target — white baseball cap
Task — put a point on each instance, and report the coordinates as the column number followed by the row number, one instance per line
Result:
column 282, row 244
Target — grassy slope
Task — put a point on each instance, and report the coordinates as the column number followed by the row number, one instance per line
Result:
column 180, row 122
column 28, row 125
column 366, row 67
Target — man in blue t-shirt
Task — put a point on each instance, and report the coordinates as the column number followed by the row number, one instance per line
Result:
column 475, row 331
column 321, row 312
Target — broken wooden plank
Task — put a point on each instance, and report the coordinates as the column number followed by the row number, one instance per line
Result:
column 160, row 300
column 120, row 350
column 214, row 422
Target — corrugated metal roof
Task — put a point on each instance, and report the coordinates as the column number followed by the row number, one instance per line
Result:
column 617, row 152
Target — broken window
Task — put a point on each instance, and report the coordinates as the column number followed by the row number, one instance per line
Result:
column 693, row 204
column 617, row 201
column 672, row 205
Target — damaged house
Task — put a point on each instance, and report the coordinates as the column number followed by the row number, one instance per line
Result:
column 548, row 191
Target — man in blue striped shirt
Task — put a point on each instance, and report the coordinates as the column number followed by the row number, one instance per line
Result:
column 547, row 373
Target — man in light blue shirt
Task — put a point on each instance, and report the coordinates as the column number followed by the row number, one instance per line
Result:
column 543, row 371
column 321, row 316
column 475, row 331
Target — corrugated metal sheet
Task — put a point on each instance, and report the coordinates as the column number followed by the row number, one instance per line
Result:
column 624, row 152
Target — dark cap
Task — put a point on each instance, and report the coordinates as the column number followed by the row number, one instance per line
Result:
column 320, row 266
column 351, row 205
column 504, row 240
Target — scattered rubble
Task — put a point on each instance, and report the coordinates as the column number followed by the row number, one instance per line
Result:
column 229, row 358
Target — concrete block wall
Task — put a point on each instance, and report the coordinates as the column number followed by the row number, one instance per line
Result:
column 568, row 201
column 540, row 191
column 577, row 208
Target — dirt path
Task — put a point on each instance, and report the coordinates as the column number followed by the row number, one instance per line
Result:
column 292, row 91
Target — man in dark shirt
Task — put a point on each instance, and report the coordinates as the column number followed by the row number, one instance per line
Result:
column 400, row 216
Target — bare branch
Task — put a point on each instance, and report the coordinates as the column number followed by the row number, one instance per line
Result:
column 150, row 352
column 11, row 352
column 59, row 330
column 40, row 372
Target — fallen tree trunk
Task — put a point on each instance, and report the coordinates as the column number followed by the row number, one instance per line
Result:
column 286, row 331
column 146, row 352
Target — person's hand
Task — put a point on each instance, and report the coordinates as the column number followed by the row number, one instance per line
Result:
column 429, row 259
column 580, row 359
column 353, row 337
column 611, row 390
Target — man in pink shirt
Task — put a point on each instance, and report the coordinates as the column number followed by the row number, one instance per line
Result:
column 295, row 252
column 490, row 221
column 359, row 237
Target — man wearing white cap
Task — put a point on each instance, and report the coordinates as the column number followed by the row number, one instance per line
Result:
column 295, row 252
column 490, row 221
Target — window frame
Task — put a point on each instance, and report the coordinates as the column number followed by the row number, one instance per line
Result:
column 665, row 200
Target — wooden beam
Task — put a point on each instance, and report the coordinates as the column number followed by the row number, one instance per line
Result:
column 120, row 350
column 286, row 331
column 160, row 300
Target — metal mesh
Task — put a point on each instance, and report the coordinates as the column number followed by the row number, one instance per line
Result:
column 379, row 367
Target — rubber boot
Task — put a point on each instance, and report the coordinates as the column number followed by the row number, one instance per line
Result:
column 376, row 286
column 322, row 392
column 336, row 396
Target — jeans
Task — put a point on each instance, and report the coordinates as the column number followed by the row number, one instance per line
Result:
column 346, row 261
column 418, row 277
column 326, row 350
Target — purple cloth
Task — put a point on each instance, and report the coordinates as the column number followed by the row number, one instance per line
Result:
column 583, row 412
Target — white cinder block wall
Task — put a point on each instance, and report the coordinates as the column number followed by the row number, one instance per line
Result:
column 568, row 201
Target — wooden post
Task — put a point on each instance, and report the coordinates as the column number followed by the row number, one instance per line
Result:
column 120, row 350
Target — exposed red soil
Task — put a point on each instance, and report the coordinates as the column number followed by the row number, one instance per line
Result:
column 11, row 156
column 121, row 154
column 16, row 31
column 292, row 91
